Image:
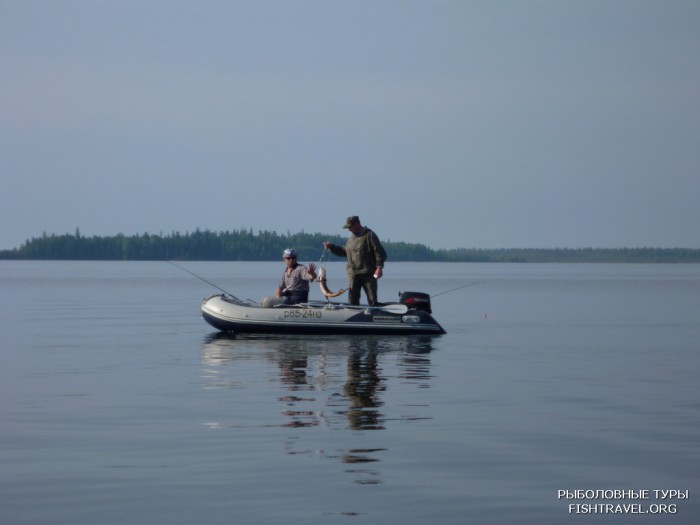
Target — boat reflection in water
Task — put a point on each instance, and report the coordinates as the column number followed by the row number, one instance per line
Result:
column 328, row 382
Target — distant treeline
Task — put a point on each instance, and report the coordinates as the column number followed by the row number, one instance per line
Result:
column 244, row 245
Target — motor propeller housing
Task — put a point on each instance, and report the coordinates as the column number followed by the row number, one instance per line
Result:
column 417, row 300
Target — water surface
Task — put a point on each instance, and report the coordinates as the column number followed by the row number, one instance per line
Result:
column 119, row 405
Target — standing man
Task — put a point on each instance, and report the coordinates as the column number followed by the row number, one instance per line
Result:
column 366, row 258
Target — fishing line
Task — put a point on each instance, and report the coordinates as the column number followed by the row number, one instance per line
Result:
column 203, row 279
column 458, row 288
column 323, row 255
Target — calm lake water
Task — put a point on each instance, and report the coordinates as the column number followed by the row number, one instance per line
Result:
column 120, row 405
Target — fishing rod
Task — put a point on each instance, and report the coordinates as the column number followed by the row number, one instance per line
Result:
column 458, row 288
column 203, row 279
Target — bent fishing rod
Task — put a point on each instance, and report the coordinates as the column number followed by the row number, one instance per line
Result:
column 203, row 279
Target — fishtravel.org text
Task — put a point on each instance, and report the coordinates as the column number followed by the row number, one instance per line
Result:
column 617, row 501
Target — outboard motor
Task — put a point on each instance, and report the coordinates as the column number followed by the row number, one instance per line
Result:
column 417, row 300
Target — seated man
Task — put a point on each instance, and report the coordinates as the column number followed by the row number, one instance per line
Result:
column 294, row 285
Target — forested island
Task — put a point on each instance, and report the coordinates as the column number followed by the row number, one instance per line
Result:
column 245, row 245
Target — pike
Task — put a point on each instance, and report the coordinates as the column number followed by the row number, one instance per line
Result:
column 324, row 285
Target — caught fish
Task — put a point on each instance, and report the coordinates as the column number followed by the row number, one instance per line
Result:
column 324, row 286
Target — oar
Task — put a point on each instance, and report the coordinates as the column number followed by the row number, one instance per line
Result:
column 388, row 308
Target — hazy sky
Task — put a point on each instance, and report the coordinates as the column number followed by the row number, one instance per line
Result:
column 561, row 123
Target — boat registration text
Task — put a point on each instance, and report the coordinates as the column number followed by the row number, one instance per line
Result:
column 304, row 314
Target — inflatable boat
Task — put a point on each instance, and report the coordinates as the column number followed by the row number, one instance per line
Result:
column 411, row 315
